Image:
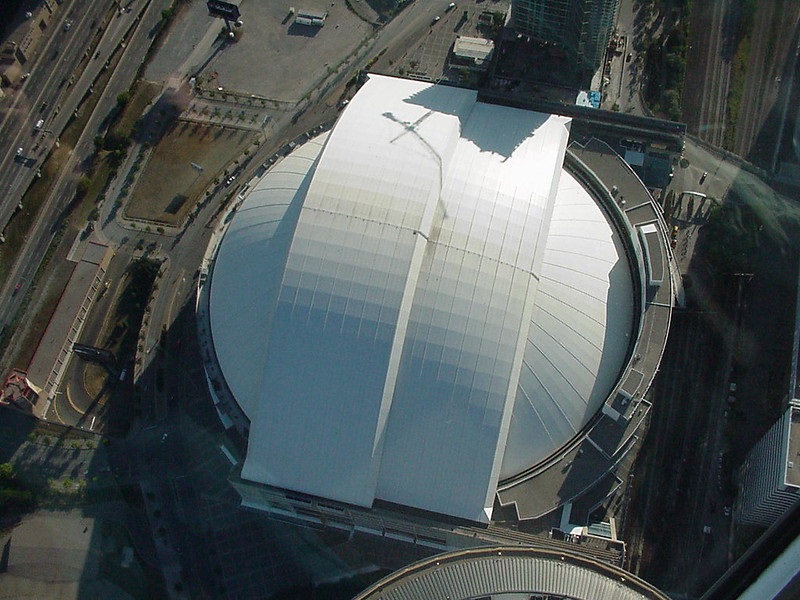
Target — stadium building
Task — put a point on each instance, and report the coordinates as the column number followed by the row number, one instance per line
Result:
column 505, row 573
column 434, row 300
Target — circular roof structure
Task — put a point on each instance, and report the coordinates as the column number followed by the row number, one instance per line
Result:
column 419, row 303
column 510, row 573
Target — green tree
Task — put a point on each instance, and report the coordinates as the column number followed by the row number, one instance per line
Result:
column 83, row 186
column 123, row 99
column 669, row 201
column 116, row 140
column 672, row 104
column 6, row 472
column 116, row 158
column 15, row 499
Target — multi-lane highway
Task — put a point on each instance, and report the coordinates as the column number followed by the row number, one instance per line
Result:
column 49, row 94
column 139, row 27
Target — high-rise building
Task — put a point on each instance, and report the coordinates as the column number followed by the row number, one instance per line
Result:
column 770, row 478
column 581, row 27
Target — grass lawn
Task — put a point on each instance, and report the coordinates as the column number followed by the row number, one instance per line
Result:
column 169, row 186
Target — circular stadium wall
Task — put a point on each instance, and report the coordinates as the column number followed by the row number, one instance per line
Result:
column 420, row 302
column 510, row 573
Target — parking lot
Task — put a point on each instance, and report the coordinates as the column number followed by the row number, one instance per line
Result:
column 428, row 58
column 272, row 49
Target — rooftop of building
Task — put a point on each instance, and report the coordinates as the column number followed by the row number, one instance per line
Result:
column 56, row 344
column 477, row 49
column 417, row 119
column 504, row 572
column 793, row 452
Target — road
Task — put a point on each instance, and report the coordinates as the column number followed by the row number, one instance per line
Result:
column 63, row 189
column 158, row 454
column 75, row 405
column 41, row 95
column 705, row 89
column 623, row 89
column 409, row 27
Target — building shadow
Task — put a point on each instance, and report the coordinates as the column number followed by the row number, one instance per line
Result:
column 298, row 29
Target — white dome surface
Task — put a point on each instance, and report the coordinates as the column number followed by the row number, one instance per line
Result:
column 579, row 330
column 389, row 293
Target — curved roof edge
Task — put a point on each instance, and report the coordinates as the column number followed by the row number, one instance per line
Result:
column 269, row 212
column 483, row 572
column 603, row 197
column 561, row 478
column 630, row 198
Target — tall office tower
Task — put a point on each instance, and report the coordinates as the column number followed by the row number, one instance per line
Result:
column 770, row 476
column 581, row 27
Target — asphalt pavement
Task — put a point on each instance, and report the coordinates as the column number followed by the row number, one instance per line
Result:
column 60, row 76
column 63, row 189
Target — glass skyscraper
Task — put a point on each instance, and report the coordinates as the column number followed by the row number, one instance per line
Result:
column 581, row 27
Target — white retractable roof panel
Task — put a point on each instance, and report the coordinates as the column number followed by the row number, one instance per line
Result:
column 579, row 332
column 471, row 312
column 324, row 398
column 419, row 303
column 249, row 268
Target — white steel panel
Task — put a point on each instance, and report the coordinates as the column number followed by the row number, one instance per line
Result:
column 244, row 291
column 401, row 288
column 579, row 332
column 452, row 402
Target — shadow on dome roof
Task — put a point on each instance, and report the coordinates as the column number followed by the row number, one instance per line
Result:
column 439, row 98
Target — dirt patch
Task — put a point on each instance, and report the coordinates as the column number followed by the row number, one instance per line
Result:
column 170, row 185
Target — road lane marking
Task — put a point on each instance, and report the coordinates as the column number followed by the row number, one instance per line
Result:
column 69, row 399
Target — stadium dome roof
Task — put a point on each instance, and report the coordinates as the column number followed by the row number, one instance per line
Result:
column 510, row 573
column 419, row 303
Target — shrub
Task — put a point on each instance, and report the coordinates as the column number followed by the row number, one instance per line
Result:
column 116, row 140
column 82, row 187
